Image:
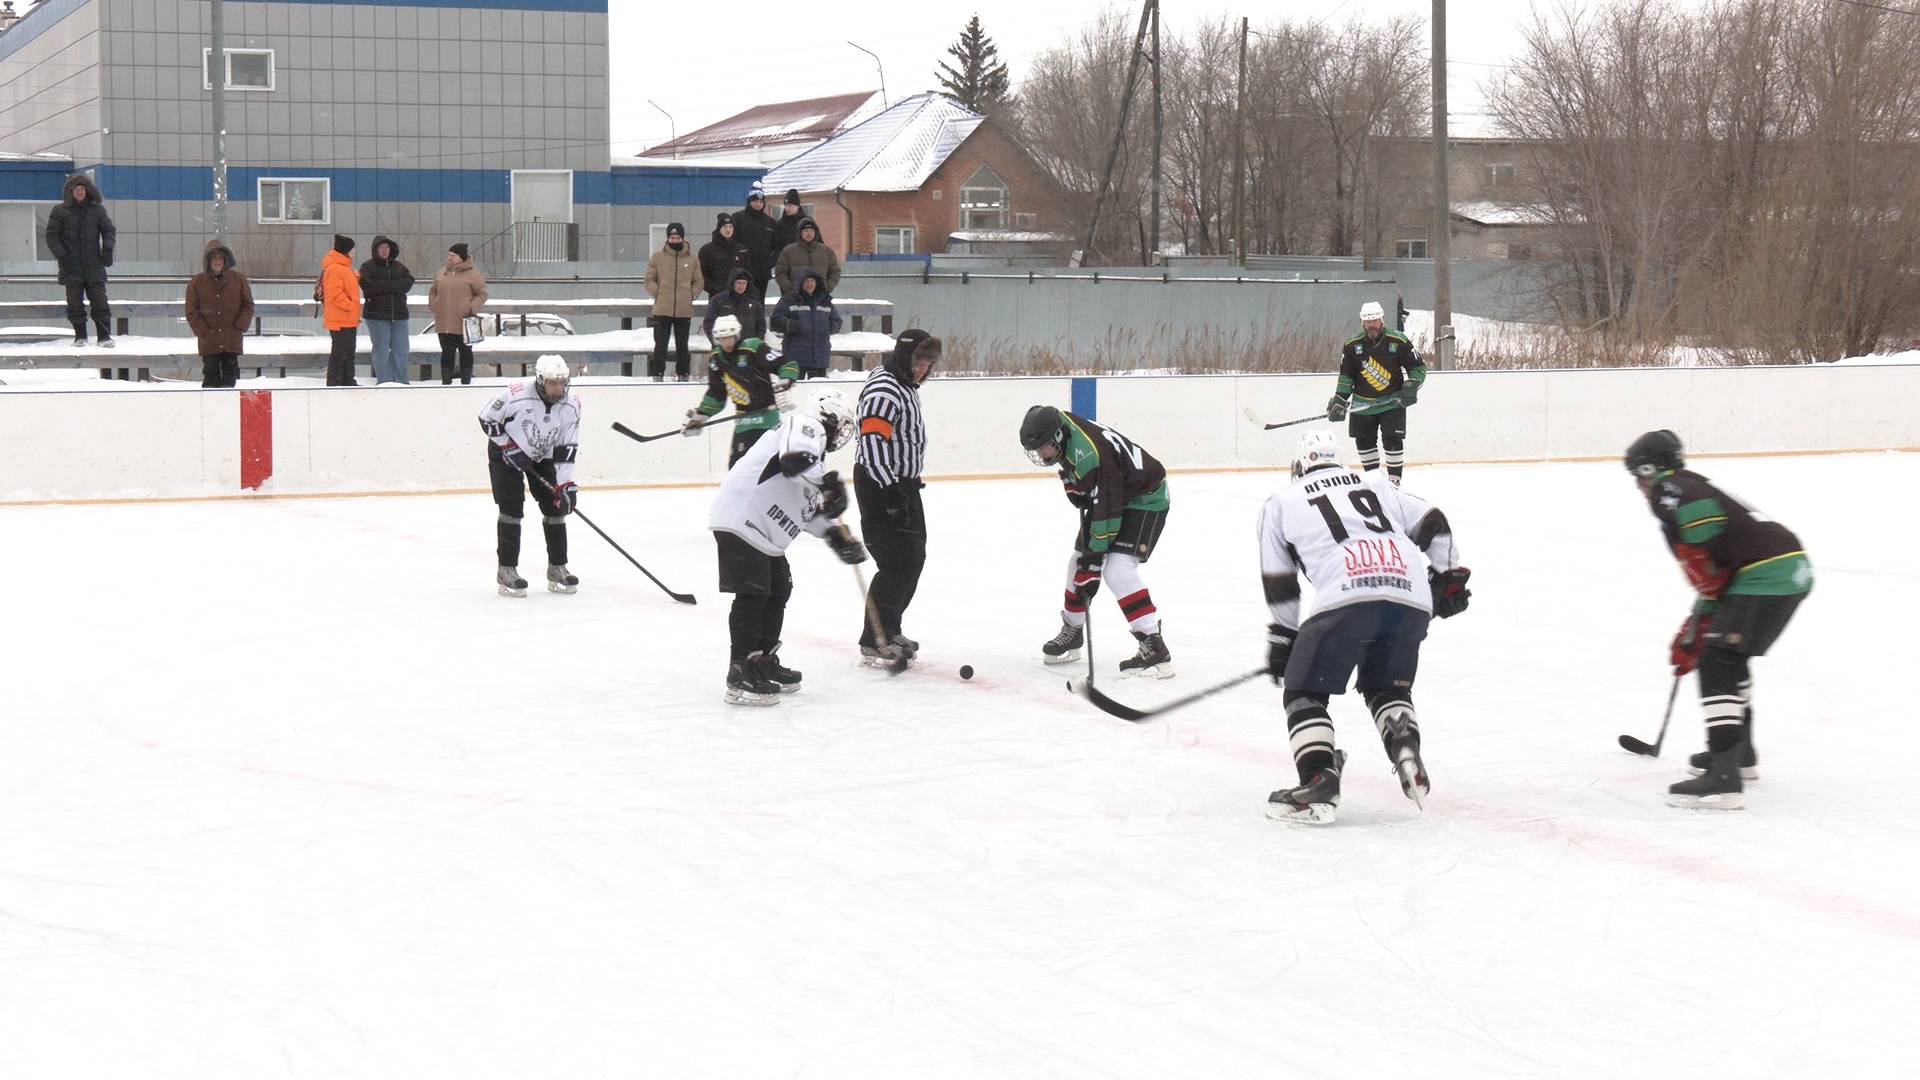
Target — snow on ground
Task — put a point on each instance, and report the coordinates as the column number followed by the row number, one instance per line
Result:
column 288, row 789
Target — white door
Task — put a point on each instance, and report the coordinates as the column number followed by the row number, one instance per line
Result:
column 18, row 225
column 542, row 195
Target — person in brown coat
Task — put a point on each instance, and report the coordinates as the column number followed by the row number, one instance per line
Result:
column 219, row 310
column 458, row 290
column 673, row 280
column 807, row 253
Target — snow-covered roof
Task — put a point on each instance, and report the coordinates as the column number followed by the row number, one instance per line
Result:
column 894, row 151
column 808, row 120
column 1484, row 212
column 44, row 157
column 653, row 161
column 1006, row 236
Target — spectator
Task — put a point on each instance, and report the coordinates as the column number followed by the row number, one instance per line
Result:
column 340, row 308
column 741, row 302
column 805, row 319
column 458, row 290
column 385, row 281
column 219, row 310
column 81, row 235
column 720, row 256
column 787, row 230
column 807, row 251
column 673, row 280
column 753, row 227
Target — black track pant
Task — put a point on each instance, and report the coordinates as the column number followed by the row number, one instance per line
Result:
column 95, row 295
column 678, row 329
column 760, row 584
column 1369, row 432
column 1742, row 627
column 510, row 488
column 340, row 357
column 898, row 547
column 219, row 370
column 456, row 359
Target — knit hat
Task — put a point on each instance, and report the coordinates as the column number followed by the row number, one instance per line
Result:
column 459, row 249
column 793, row 196
column 723, row 220
column 674, row 229
column 757, row 191
column 342, row 243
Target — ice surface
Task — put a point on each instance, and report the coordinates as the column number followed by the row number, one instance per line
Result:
column 287, row 790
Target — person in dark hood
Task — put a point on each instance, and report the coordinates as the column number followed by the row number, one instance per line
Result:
column 888, row 462
column 806, row 321
column 81, row 237
column 385, row 281
column 219, row 310
column 808, row 251
column 753, row 228
column 787, row 229
column 720, row 256
column 740, row 301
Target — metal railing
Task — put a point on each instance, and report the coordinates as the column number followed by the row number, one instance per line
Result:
column 546, row 241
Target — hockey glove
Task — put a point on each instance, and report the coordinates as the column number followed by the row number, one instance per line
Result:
column 1409, row 394
column 1685, row 650
column 851, row 551
column 833, row 496
column 694, row 420
column 1279, row 650
column 1336, row 408
column 1086, row 577
column 517, row 458
column 565, row 498
column 1450, row 592
column 783, row 395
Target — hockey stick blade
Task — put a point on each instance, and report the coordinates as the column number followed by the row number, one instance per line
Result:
column 637, row 437
column 1132, row 715
column 678, row 597
column 1652, row 749
column 1635, row 746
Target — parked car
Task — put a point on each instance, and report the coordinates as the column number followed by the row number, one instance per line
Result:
column 532, row 324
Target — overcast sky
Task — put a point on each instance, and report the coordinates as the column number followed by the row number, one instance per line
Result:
column 689, row 58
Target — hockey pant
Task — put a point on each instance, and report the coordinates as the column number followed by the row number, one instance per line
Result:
column 510, row 495
column 1742, row 627
column 742, row 442
column 1379, row 637
column 1370, row 431
column 899, row 550
column 1139, row 534
column 760, row 584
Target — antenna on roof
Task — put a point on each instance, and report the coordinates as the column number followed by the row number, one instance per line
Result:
column 880, row 66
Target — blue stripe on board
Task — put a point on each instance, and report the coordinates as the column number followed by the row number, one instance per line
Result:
column 33, row 180
column 1086, row 398
column 188, row 183
column 587, row 6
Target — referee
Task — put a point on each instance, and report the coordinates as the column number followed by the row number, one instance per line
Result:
column 888, row 460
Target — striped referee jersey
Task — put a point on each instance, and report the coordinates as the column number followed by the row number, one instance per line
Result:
column 893, row 436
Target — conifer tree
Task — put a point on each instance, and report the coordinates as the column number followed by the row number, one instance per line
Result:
column 980, row 82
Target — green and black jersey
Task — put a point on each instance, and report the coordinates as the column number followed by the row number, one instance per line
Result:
column 1372, row 370
column 1107, row 475
column 745, row 377
column 1726, row 547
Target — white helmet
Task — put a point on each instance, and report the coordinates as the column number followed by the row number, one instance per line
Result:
column 1315, row 450
column 836, row 416
column 1370, row 311
column 726, row 326
column 549, row 369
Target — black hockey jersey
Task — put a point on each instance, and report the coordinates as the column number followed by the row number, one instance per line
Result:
column 1724, row 545
column 1107, row 475
column 745, row 377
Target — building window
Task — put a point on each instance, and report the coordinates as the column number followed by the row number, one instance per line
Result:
column 1411, row 243
column 1520, row 252
column 1026, row 221
column 296, row 201
column 656, row 236
column 1500, row 177
column 893, row 241
column 247, row 69
column 983, row 201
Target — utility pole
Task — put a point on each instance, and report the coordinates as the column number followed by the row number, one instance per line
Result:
column 218, row 80
column 1442, row 201
column 1158, row 124
column 1240, row 154
column 1120, row 129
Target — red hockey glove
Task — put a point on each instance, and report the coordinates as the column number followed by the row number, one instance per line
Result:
column 1685, row 651
column 1086, row 577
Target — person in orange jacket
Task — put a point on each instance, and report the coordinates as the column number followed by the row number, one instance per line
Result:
column 340, row 307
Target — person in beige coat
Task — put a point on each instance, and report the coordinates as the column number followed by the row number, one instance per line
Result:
column 458, row 290
column 673, row 280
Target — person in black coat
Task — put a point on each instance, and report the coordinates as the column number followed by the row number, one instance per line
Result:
column 385, row 282
column 81, row 237
column 753, row 228
column 787, row 229
column 720, row 256
column 806, row 321
column 741, row 302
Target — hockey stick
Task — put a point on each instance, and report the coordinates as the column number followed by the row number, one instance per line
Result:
column 1255, row 417
column 1113, row 708
column 684, row 598
column 1633, row 745
column 899, row 663
column 637, row 437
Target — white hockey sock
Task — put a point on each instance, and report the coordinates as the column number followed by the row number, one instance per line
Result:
column 1369, row 457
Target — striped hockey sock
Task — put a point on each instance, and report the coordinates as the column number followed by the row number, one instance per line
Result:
column 1310, row 733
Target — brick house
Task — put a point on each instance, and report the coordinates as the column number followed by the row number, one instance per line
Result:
column 925, row 176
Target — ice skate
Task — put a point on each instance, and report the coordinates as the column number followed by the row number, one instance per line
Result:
column 883, row 656
column 1065, row 646
column 908, row 645
column 1749, row 762
column 770, row 668
column 1719, row 787
column 558, row 580
column 746, row 685
column 510, row 582
column 1152, row 661
column 1312, row 803
column 1412, row 773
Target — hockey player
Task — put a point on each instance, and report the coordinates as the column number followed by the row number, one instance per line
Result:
column 533, row 430
column 1750, row 573
column 778, row 488
column 1360, row 542
column 1122, row 495
column 745, row 373
column 1382, row 374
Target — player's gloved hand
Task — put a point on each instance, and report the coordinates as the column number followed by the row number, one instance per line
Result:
column 1450, row 592
column 1685, row 650
column 783, row 395
column 1279, row 649
column 692, row 426
column 1409, row 394
column 517, row 458
column 565, row 498
column 1086, row 576
column 851, row 551
column 833, row 497
column 1336, row 408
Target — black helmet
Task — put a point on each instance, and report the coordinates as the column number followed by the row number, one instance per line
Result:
column 1654, row 453
column 1041, row 427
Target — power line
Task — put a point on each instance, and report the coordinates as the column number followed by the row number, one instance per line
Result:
column 1879, row 7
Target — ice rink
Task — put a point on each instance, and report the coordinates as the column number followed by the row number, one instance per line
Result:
column 287, row 790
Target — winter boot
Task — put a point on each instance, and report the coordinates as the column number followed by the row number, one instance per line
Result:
column 1065, row 646
column 558, row 580
column 1718, row 788
column 1313, row 802
column 1749, row 762
column 747, row 685
column 769, row 667
column 510, row 582
column 1152, row 661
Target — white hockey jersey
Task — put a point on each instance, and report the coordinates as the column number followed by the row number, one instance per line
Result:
column 1356, row 537
column 546, row 432
column 765, row 507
